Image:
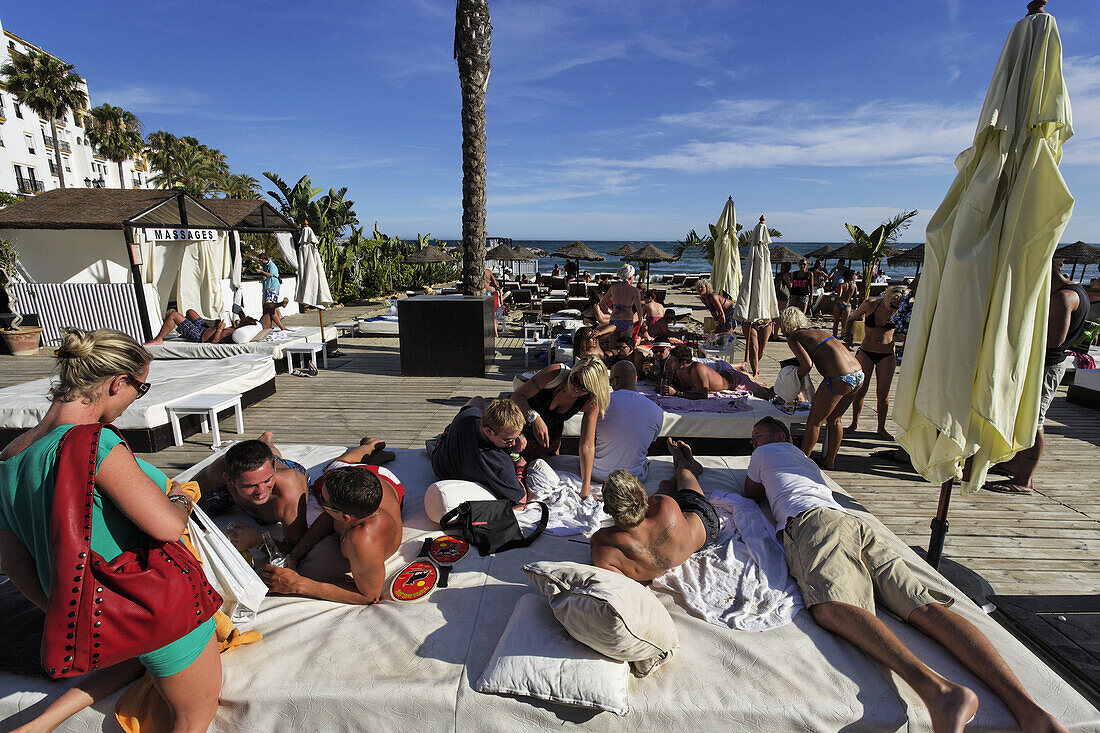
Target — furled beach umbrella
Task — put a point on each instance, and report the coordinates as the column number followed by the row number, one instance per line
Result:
column 312, row 282
column 914, row 256
column 725, row 271
column 626, row 249
column 756, row 297
column 647, row 255
column 1078, row 253
column 578, row 251
column 974, row 352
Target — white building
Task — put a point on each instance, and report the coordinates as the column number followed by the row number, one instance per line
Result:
column 27, row 149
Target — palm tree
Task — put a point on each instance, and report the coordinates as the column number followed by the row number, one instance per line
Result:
column 116, row 133
column 293, row 200
column 472, row 42
column 240, row 186
column 872, row 247
column 160, row 149
column 47, row 86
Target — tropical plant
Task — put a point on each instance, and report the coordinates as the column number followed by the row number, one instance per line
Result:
column 872, row 247
column 9, row 265
column 185, row 163
column 47, row 86
column 116, row 134
column 160, row 150
column 240, row 186
column 744, row 237
column 6, row 199
column 472, row 44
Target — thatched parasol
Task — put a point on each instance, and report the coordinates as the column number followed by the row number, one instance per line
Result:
column 501, row 253
column 428, row 256
column 911, row 256
column 781, row 254
column 623, row 251
column 520, row 252
column 825, row 252
column 648, row 254
column 1076, row 254
column 578, row 251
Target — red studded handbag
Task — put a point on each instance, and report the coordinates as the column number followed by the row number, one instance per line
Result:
column 99, row 612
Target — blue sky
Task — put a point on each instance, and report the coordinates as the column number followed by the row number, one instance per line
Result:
column 624, row 119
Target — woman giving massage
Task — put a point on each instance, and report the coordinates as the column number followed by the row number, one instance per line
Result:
column 841, row 375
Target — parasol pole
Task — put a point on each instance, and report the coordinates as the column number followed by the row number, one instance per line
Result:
column 321, row 320
column 939, row 527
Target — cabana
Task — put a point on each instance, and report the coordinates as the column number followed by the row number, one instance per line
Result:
column 115, row 258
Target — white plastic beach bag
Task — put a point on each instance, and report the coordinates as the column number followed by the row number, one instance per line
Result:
column 241, row 589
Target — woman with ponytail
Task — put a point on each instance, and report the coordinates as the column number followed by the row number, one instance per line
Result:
column 99, row 374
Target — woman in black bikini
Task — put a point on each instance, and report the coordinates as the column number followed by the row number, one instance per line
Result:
column 550, row 398
column 876, row 353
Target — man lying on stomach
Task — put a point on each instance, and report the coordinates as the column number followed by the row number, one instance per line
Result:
column 655, row 534
column 695, row 380
column 362, row 512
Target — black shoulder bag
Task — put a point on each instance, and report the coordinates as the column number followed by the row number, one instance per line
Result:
column 491, row 526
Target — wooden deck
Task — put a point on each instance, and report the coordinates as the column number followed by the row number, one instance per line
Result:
column 1047, row 543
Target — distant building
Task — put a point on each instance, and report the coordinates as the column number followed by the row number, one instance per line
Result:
column 27, row 151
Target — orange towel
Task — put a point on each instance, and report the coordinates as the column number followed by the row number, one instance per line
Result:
column 142, row 708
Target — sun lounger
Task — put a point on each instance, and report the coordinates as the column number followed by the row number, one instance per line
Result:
column 1085, row 389
column 145, row 423
column 270, row 343
column 379, row 326
column 327, row 666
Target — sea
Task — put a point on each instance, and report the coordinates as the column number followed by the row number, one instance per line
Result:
column 694, row 259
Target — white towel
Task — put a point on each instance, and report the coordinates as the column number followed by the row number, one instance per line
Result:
column 569, row 513
column 742, row 582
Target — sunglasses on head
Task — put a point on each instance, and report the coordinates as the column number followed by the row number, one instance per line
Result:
column 140, row 386
column 316, row 489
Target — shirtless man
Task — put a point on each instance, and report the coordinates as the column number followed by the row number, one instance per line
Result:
column 624, row 301
column 362, row 508
column 194, row 328
column 624, row 351
column 658, row 330
column 655, row 534
column 694, row 380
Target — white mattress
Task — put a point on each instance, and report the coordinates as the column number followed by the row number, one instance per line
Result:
column 385, row 327
column 1087, row 379
column 324, row 666
column 24, row 405
column 696, row 424
column 176, row 348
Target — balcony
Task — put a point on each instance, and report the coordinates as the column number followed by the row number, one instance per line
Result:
column 136, row 183
column 27, row 185
column 65, row 147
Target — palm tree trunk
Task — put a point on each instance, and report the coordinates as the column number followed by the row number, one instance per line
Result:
column 57, row 152
column 121, row 180
column 472, row 41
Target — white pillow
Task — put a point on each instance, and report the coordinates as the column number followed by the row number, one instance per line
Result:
column 245, row 334
column 618, row 617
column 443, row 496
column 536, row 658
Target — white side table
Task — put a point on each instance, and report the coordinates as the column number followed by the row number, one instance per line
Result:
column 537, row 345
column 306, row 350
column 208, row 406
column 346, row 328
column 535, row 330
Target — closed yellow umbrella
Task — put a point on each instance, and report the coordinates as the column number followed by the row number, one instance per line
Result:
column 971, row 381
column 726, row 268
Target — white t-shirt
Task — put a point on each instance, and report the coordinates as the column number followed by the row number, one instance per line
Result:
column 792, row 482
column 624, row 434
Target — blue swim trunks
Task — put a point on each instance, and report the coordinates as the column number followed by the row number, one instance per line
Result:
column 191, row 330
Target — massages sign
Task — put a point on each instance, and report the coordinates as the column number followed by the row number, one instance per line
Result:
column 180, row 235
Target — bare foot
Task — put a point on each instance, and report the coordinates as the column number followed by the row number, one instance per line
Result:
column 885, row 435
column 952, row 709
column 822, row 464
column 1040, row 721
column 852, row 428
column 152, row 342
column 266, row 437
column 374, row 443
column 681, row 454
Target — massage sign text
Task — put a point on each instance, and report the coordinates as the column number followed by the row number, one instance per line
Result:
column 181, row 235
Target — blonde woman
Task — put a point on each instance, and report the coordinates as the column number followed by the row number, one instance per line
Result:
column 720, row 307
column 556, row 394
column 876, row 353
column 841, row 377
column 99, row 375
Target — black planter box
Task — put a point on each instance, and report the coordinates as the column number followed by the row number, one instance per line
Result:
column 446, row 335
